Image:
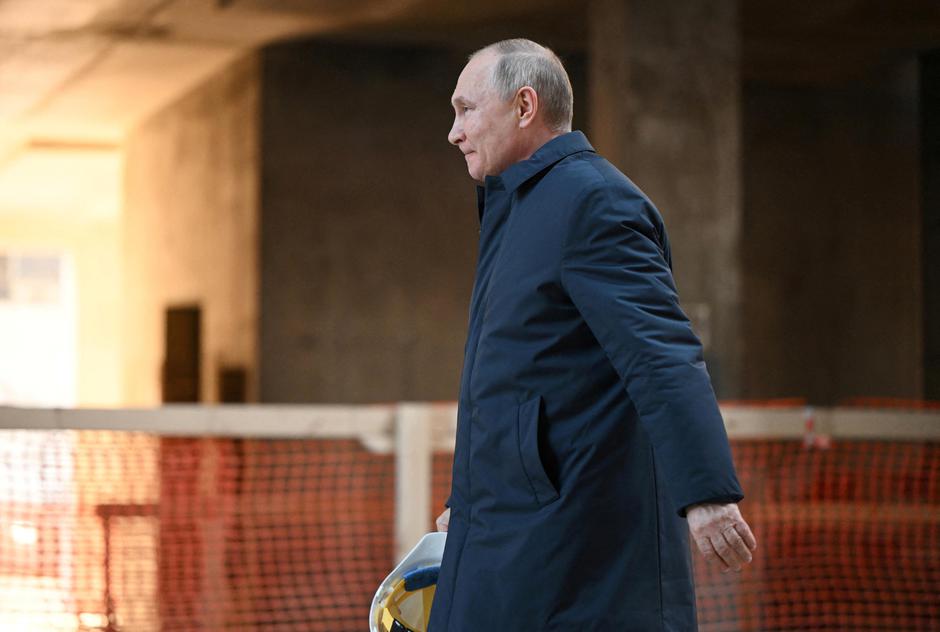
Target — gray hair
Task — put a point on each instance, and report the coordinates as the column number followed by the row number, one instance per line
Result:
column 521, row 63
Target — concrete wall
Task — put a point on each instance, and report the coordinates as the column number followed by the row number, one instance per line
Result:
column 369, row 230
column 930, row 162
column 831, row 240
column 369, row 225
column 191, row 229
column 665, row 108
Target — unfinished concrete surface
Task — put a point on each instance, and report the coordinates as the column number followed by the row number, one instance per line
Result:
column 930, row 197
column 832, row 256
column 191, row 229
column 667, row 78
column 369, row 225
column 665, row 108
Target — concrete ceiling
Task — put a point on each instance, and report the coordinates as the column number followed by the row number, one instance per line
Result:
column 79, row 72
column 832, row 41
column 86, row 71
column 83, row 71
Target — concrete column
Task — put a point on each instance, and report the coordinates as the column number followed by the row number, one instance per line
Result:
column 190, row 230
column 665, row 108
column 930, row 157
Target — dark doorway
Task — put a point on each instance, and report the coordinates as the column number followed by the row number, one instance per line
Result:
column 180, row 379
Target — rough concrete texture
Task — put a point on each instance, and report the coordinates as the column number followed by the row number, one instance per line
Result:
column 191, row 229
column 930, row 165
column 665, row 108
column 369, row 225
column 831, row 241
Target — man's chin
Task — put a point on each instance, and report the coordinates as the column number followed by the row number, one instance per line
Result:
column 474, row 168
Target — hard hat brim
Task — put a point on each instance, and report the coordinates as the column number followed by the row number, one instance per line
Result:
column 427, row 553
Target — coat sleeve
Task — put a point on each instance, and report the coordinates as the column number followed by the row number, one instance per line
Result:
column 616, row 271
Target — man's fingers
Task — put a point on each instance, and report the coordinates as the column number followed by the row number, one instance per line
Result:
column 722, row 534
column 726, row 554
column 745, row 532
column 708, row 552
column 443, row 520
column 738, row 547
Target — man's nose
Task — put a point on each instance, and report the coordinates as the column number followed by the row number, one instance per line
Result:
column 455, row 135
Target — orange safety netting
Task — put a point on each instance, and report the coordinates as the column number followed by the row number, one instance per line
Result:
column 129, row 531
column 133, row 531
column 848, row 539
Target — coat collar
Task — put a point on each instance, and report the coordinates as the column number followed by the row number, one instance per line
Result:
column 544, row 157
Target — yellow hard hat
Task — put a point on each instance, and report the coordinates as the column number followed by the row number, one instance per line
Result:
column 403, row 601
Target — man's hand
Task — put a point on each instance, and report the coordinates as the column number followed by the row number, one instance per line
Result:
column 721, row 535
column 443, row 520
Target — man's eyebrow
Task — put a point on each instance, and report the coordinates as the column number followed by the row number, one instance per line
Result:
column 460, row 101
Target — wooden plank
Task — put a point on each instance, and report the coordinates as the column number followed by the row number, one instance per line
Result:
column 374, row 424
column 412, row 477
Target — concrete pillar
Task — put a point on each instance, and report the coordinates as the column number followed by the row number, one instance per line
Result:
column 930, row 156
column 665, row 108
column 190, row 230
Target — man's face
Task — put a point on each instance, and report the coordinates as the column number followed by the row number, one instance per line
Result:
column 485, row 128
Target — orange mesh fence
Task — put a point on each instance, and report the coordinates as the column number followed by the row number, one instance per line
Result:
column 849, row 538
column 132, row 531
column 128, row 531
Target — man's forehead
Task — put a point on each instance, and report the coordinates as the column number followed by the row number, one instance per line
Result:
column 472, row 80
column 479, row 65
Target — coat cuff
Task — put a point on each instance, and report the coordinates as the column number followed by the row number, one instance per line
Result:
column 722, row 499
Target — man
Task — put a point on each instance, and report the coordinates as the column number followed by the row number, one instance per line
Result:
column 589, row 442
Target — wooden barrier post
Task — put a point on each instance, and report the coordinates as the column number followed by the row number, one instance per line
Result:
column 413, row 453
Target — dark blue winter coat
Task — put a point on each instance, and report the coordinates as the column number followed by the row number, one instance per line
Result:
column 587, row 422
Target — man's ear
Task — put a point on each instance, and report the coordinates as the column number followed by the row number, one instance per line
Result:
column 526, row 106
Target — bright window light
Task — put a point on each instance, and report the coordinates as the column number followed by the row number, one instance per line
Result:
column 24, row 533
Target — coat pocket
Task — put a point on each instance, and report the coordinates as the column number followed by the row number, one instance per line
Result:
column 527, row 433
